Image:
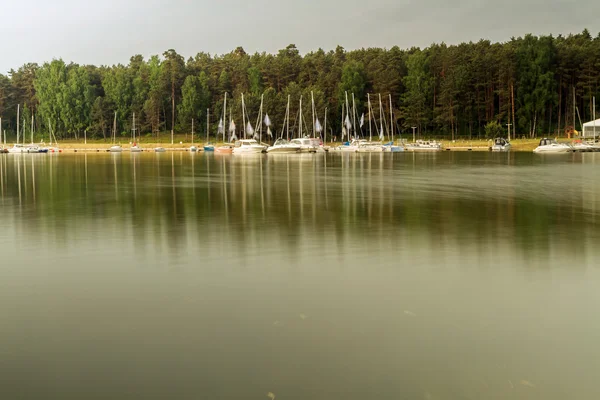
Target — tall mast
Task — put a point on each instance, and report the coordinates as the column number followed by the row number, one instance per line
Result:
column 207, row 123
column 380, row 117
column 260, row 122
column 574, row 110
column 369, row 111
column 312, row 99
column 325, row 127
column 354, row 114
column 243, row 117
column 50, row 129
column 343, row 122
column 287, row 112
column 31, row 126
column 18, row 116
column 133, row 129
column 300, row 128
column 224, row 116
column 347, row 112
column 392, row 118
column 192, row 131
column 115, row 129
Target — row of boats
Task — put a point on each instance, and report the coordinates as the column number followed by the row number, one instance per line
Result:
column 300, row 145
column 20, row 148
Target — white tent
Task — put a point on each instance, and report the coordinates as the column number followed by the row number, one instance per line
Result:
column 591, row 129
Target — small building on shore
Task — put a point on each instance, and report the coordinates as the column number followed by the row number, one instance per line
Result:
column 591, row 129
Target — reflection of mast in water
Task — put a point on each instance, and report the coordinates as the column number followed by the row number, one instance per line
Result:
column 314, row 188
column 25, row 179
column 114, row 158
column 262, row 189
column 86, row 173
column 325, row 180
column 2, row 177
column 33, row 179
column 208, row 177
column 19, row 175
column 300, row 187
column 173, row 182
column 224, row 174
column 289, row 194
column 134, row 160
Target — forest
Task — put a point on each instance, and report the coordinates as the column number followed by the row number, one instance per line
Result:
column 541, row 85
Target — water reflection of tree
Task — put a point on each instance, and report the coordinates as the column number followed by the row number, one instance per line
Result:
column 171, row 201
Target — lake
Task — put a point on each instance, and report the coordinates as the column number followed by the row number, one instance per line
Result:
column 456, row 275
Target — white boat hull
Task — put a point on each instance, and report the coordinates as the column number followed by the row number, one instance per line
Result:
column 500, row 148
column 283, row 150
column 115, row 149
column 552, row 149
column 136, row 149
column 248, row 150
column 370, row 149
column 159, row 150
column 423, row 149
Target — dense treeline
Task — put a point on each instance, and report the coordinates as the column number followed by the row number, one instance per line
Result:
column 534, row 83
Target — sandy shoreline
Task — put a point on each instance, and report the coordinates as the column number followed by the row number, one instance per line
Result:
column 526, row 145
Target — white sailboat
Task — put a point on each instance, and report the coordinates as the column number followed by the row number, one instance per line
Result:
column 135, row 148
column 193, row 148
column 390, row 146
column 115, row 148
column 351, row 145
column 227, row 148
column 247, row 146
column 281, row 145
column 208, row 146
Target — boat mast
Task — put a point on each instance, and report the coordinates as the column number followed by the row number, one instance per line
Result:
column 369, row 111
column 18, row 110
column 391, row 119
column 354, row 114
column 325, row 127
column 287, row 113
column 300, row 127
column 192, row 131
column 31, row 126
column 207, row 123
column 347, row 112
column 312, row 99
column 243, row 116
column 260, row 122
column 115, row 129
column 133, row 129
column 50, row 129
column 380, row 118
column 224, row 116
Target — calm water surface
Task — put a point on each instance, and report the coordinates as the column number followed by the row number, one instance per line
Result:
column 339, row 276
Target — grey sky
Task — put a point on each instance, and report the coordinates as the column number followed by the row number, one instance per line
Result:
column 110, row 31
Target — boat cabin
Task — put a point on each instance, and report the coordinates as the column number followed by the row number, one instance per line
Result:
column 547, row 142
column 246, row 142
column 500, row 142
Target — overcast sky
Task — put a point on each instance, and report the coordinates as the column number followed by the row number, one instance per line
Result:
column 110, row 31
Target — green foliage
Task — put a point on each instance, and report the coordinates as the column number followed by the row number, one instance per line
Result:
column 443, row 90
column 493, row 130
